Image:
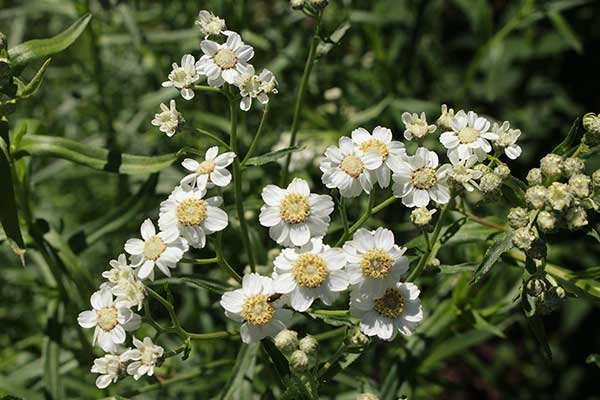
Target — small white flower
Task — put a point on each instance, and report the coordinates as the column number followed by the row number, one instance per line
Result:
column 109, row 319
column 110, row 367
column 397, row 310
column 168, row 119
column 417, row 179
column 124, row 283
column 211, row 171
column 120, row 271
column 251, row 305
column 254, row 86
column 374, row 261
column 507, row 139
column 463, row 173
column 470, row 134
column 224, row 62
column 416, row 126
column 144, row 357
column 349, row 170
column 163, row 250
column 294, row 215
column 391, row 151
column 210, row 24
column 446, row 117
column 184, row 77
column 310, row 272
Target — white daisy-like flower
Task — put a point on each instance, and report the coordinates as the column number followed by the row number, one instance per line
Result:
column 417, row 179
column 397, row 310
column 268, row 82
column 253, row 306
column 375, row 262
column 183, row 78
column 163, row 250
column 210, row 24
column 348, row 169
column 120, row 271
column 109, row 319
column 416, row 126
column 224, row 62
column 507, row 139
column 144, row 357
column 310, row 272
column 168, row 119
column 110, row 367
column 470, row 134
column 191, row 216
column 211, row 171
column 446, row 117
column 463, row 173
column 295, row 215
column 391, row 151
column 124, row 283
column 254, row 86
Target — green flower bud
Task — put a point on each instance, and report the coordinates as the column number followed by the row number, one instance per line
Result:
column 490, row 183
column 546, row 221
column 572, row 166
column 534, row 177
column 287, row 341
column 559, row 196
column 535, row 196
column 523, row 238
column 502, row 171
column 518, row 217
column 550, row 300
column 551, row 165
column 421, row 216
column 299, row 361
column 576, row 218
column 308, row 344
column 579, row 184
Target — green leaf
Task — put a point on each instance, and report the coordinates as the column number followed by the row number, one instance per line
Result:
column 270, row 157
column 242, row 370
column 26, row 52
column 483, row 325
column 501, row 245
column 536, row 327
column 95, row 157
column 458, row 268
column 514, row 189
column 572, row 140
column 9, row 216
column 51, row 351
column 564, row 29
column 25, row 91
column 279, row 361
column 334, row 39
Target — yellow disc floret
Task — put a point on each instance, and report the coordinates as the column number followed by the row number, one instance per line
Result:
column 191, row 211
column 375, row 144
column 376, row 264
column 310, row 270
column 206, row 167
column 225, row 59
column 294, row 208
column 423, row 178
column 153, row 248
column 106, row 318
column 352, row 165
column 257, row 310
column 468, row 135
column 391, row 304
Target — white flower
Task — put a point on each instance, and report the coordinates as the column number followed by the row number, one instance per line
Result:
column 163, row 250
column 168, row 119
column 109, row 367
column 469, row 136
column 417, row 180
column 507, row 139
column 184, row 77
column 391, row 151
column 210, row 24
column 186, row 212
column 224, row 62
column 254, row 86
column 416, row 126
column 310, row 272
column 294, row 215
column 463, row 173
column 211, row 171
column 144, row 357
column 398, row 309
column 109, row 319
column 251, row 305
column 124, row 283
column 374, row 261
column 446, row 117
column 120, row 271
column 349, row 170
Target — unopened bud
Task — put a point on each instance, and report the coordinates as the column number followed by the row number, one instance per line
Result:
column 299, row 361
column 287, row 341
column 358, row 338
column 579, row 184
column 546, row 221
column 421, row 216
column 518, row 217
column 576, row 218
column 297, row 4
column 596, row 178
column 308, row 344
column 551, row 165
column 502, row 171
column 490, row 183
column 445, row 119
column 535, row 287
column 523, row 238
column 572, row 166
column 559, row 196
column 591, row 123
column 534, row 177
column 535, row 196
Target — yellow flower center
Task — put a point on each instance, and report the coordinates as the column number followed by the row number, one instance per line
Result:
column 225, row 59
column 375, row 144
column 423, row 178
column 419, row 128
column 352, row 165
column 468, row 135
column 376, row 264
column 257, row 310
column 391, row 304
column 191, row 211
column 294, row 208
column 206, row 167
column 106, row 318
column 310, row 270
column 153, row 248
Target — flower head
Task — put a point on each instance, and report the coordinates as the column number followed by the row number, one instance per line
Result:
column 211, row 171
column 224, row 62
column 110, row 367
column 254, row 86
column 551, row 165
column 416, row 126
column 421, row 216
column 144, row 357
column 507, row 139
column 169, row 119
column 183, row 78
column 210, row 24
column 463, row 173
column 469, row 136
column 446, row 117
column 124, row 283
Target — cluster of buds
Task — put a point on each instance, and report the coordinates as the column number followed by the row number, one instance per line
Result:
column 490, row 181
column 301, row 354
column 546, row 294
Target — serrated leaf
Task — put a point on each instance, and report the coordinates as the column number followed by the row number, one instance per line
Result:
column 501, row 245
column 572, row 140
column 28, row 51
column 242, row 370
column 25, row 91
column 9, row 216
column 270, row 157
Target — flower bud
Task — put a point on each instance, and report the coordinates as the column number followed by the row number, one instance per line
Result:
column 523, row 238
column 308, row 344
column 358, row 338
column 490, row 183
column 421, row 216
column 576, row 218
column 538, row 250
column 535, row 287
column 551, row 165
column 518, row 217
column 550, row 300
column 433, row 263
column 579, row 185
column 287, row 341
column 445, row 120
column 596, row 178
column 546, row 221
column 535, row 196
column 534, row 177
column 502, row 171
column 572, row 166
column 318, row 3
column 558, row 196
column 299, row 361
column 297, row 4
column 591, row 123
column 481, row 168
column 367, row 396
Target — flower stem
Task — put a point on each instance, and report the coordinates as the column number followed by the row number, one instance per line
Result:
column 338, row 313
column 225, row 266
column 200, row 261
column 258, row 134
column 213, row 137
column 360, row 222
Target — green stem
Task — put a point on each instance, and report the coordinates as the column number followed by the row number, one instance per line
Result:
column 200, row 261
column 258, row 134
column 337, row 313
column 344, row 215
column 213, row 137
column 211, row 89
column 384, row 204
column 225, row 266
column 367, row 214
column 331, row 333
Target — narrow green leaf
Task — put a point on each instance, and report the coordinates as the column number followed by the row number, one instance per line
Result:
column 514, row 189
column 279, row 361
column 242, row 370
column 51, row 351
column 270, row 157
column 25, row 91
column 564, row 29
column 38, row 48
column 572, row 140
column 334, row 39
column 483, row 325
column 501, row 245
column 8, row 205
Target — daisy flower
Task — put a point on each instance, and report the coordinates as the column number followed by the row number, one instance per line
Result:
column 310, row 272
column 110, row 367
column 463, row 173
column 224, row 62
column 254, row 86
column 211, row 171
column 120, row 271
column 251, row 305
column 397, row 310
column 184, row 77
column 507, row 139
column 416, row 126
column 109, row 319
column 145, row 356
column 294, row 215
column 470, row 134
column 124, row 283
column 168, row 119
column 210, row 24
column 191, row 216
column 163, row 250
column 417, row 179
column 348, row 169
column 374, row 261
column 380, row 141
column 446, row 117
